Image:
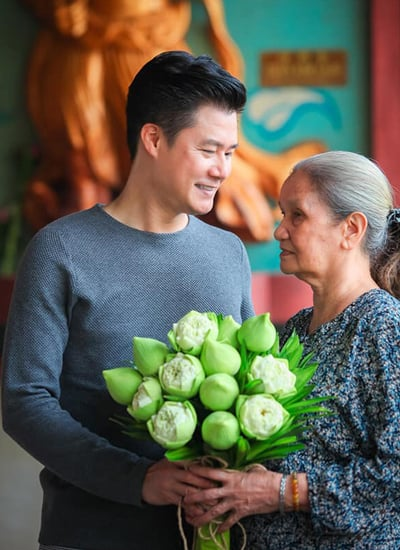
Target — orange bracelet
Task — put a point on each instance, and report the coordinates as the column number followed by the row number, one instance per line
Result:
column 295, row 492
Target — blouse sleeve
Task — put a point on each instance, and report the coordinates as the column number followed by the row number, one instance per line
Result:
column 354, row 482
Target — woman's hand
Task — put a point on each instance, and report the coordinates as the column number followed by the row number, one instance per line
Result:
column 235, row 494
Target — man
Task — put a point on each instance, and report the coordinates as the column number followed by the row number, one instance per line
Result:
column 92, row 280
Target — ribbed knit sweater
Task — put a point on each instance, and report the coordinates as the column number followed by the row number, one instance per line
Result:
column 85, row 286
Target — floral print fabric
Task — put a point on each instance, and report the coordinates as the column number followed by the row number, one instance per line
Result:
column 352, row 457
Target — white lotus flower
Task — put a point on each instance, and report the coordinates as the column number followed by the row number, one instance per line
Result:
column 189, row 333
column 274, row 372
column 260, row 415
column 147, row 399
column 174, row 424
column 181, row 375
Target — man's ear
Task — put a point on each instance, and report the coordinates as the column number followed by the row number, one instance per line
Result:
column 150, row 136
column 354, row 229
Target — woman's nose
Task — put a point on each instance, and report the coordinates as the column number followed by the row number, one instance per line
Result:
column 280, row 232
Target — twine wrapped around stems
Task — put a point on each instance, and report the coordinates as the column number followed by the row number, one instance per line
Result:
column 209, row 532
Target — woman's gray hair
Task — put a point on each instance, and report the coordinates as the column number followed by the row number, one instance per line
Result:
column 349, row 182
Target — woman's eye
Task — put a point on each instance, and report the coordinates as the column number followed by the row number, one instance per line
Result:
column 296, row 216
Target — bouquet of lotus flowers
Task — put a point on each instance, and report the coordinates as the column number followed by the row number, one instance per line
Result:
column 219, row 390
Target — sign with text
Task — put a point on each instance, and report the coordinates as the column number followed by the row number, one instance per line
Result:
column 304, row 68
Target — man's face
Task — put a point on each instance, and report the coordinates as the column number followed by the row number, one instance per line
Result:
column 191, row 170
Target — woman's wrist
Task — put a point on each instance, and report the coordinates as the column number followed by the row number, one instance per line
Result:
column 282, row 493
column 293, row 493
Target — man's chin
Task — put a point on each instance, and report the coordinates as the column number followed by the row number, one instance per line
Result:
column 203, row 211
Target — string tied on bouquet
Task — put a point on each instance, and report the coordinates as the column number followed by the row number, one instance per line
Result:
column 209, row 532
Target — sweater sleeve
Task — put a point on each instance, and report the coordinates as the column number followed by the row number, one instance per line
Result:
column 36, row 337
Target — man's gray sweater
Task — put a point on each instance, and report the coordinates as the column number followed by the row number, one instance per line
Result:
column 86, row 285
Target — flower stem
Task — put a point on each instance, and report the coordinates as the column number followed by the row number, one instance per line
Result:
column 208, row 538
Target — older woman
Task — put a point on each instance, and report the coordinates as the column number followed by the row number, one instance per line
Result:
column 341, row 235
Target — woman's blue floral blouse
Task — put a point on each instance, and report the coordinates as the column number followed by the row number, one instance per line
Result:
column 352, row 458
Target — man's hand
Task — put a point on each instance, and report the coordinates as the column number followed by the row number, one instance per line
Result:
column 168, row 482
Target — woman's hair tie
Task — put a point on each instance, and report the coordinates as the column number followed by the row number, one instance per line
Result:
column 394, row 216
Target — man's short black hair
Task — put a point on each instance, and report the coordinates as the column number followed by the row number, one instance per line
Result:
column 169, row 89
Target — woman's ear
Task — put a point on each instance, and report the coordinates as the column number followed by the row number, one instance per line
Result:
column 150, row 136
column 354, row 229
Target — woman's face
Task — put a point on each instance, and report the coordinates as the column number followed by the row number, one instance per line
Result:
column 309, row 237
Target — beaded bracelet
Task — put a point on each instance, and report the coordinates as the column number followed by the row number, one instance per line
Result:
column 295, row 492
column 282, row 488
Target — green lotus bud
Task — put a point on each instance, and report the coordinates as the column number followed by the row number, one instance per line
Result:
column 219, row 391
column 227, row 331
column 173, row 425
column 219, row 357
column 122, row 383
column 257, row 333
column 147, row 399
column 220, row 430
column 260, row 415
column 181, row 375
column 148, row 354
column 189, row 333
column 274, row 372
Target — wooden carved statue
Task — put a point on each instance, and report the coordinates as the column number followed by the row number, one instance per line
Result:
column 84, row 58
